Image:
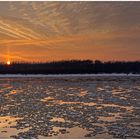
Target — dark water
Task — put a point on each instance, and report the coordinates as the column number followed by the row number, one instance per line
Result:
column 70, row 107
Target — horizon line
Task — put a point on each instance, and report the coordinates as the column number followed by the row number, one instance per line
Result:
column 41, row 62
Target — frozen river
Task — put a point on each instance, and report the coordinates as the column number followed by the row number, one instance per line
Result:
column 70, row 106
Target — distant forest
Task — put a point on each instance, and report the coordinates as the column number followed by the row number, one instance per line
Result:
column 71, row 67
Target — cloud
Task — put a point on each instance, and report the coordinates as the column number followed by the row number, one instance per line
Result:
column 71, row 27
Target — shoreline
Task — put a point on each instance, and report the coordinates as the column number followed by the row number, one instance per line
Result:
column 65, row 75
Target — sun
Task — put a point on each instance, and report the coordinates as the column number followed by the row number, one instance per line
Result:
column 8, row 62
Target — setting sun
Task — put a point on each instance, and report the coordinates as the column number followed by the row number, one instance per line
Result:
column 8, row 62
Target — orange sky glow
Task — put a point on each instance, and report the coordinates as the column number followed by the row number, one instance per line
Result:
column 52, row 31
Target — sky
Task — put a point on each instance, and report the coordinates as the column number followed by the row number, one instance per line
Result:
column 52, row 31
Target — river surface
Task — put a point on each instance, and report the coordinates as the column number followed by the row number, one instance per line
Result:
column 70, row 107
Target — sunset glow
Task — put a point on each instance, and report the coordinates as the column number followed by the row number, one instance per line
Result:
column 48, row 31
column 8, row 62
column 69, row 69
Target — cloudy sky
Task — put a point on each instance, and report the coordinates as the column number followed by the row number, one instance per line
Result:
column 46, row 31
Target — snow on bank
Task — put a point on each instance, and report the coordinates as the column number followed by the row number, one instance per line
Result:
column 64, row 75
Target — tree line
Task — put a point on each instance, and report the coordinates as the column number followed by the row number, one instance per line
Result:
column 71, row 67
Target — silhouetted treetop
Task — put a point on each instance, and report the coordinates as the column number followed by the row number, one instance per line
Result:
column 71, row 67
